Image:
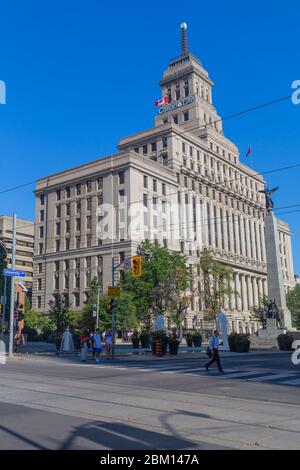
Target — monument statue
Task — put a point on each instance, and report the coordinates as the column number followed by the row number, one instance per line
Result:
column 67, row 344
column 271, row 312
column 278, row 313
column 222, row 326
column 159, row 323
column 268, row 192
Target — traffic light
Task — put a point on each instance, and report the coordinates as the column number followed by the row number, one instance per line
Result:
column 136, row 266
column 110, row 305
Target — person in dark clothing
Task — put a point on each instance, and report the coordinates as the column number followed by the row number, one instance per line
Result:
column 214, row 350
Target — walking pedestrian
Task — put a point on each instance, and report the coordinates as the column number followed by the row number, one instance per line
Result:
column 18, row 341
column 97, row 344
column 108, row 343
column 84, row 340
column 213, row 351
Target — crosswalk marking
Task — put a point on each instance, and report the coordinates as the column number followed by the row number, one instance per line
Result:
column 239, row 374
column 272, row 377
column 282, row 378
column 291, row 382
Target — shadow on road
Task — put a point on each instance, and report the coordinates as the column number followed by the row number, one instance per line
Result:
column 119, row 436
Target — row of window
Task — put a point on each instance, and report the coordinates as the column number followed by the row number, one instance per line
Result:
column 222, row 198
column 78, row 190
column 154, row 185
column 67, row 208
column 75, row 300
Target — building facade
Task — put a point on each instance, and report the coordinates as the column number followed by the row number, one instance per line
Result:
column 24, row 246
column 180, row 183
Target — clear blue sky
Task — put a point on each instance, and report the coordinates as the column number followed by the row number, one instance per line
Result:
column 82, row 74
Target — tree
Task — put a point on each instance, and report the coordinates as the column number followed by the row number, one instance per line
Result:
column 164, row 277
column 217, row 279
column 126, row 317
column 58, row 312
column 293, row 303
column 184, row 292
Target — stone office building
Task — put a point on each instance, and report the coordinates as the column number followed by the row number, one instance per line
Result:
column 24, row 246
column 180, row 183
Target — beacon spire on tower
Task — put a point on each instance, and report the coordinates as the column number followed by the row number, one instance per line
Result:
column 184, row 43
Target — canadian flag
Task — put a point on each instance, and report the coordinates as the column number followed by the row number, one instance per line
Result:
column 164, row 100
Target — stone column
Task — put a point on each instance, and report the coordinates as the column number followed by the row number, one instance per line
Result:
column 244, row 293
column 190, row 221
column 198, row 222
column 238, row 289
column 255, row 292
column 248, row 240
column 220, row 226
column 258, row 245
column 237, row 235
column 212, row 224
column 205, row 222
column 225, row 231
column 252, row 234
column 243, row 249
column 183, row 217
column 250, row 292
column 260, row 290
column 231, row 234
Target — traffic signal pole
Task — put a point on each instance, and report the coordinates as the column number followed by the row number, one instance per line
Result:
column 12, row 291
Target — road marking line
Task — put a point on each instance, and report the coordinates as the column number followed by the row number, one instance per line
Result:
column 272, row 377
column 291, row 382
column 238, row 374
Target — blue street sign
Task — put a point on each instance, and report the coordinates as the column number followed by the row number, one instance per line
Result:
column 13, row 272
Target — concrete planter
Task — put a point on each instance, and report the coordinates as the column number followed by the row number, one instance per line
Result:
column 242, row 347
column 173, row 347
column 197, row 340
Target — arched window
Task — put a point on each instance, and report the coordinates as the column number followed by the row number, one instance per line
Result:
column 177, row 92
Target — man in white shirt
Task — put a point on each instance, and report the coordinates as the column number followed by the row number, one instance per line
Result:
column 214, row 348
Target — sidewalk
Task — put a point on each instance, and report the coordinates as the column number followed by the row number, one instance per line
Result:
column 125, row 352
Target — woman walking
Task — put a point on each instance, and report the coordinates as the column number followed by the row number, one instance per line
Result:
column 84, row 341
column 97, row 344
column 108, row 343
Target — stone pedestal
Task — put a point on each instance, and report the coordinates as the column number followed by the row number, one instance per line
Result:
column 271, row 331
column 274, row 269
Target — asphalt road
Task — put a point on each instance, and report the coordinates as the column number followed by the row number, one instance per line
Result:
column 150, row 403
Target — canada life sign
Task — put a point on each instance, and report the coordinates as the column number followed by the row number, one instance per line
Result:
column 178, row 104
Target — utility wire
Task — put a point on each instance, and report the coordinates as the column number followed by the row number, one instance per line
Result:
column 230, row 116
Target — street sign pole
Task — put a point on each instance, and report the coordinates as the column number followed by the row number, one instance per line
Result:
column 113, row 319
column 12, row 292
column 98, row 302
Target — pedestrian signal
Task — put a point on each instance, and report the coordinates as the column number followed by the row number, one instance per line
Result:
column 136, row 266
